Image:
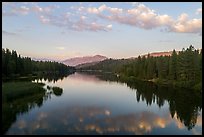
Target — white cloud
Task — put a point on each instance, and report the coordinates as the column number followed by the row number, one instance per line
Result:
column 44, row 10
column 164, row 20
column 82, row 24
column 26, row 8
column 109, row 27
column 115, row 10
column 22, row 10
column 93, row 10
column 37, row 8
column 183, row 18
column 13, row 10
column 199, row 11
column 46, row 16
column 81, row 8
column 60, row 48
column 143, row 17
column 187, row 26
column 139, row 15
column 102, row 8
column 83, row 17
column 44, row 20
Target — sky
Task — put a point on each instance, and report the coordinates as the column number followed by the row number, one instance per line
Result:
column 61, row 30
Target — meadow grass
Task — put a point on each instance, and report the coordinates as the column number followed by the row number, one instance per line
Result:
column 13, row 90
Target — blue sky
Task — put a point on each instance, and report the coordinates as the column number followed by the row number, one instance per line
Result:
column 117, row 30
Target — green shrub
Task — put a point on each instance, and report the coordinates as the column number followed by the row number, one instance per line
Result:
column 57, row 91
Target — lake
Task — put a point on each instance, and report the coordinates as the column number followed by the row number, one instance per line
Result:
column 102, row 104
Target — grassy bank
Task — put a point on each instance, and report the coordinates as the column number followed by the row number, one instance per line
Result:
column 17, row 98
column 166, row 82
column 13, row 90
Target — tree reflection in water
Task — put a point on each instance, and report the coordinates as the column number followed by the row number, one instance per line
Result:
column 11, row 108
column 184, row 108
column 186, row 104
column 92, row 120
column 51, row 77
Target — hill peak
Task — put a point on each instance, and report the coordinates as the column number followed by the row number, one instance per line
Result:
column 82, row 60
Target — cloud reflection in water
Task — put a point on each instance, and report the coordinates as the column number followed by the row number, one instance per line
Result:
column 94, row 120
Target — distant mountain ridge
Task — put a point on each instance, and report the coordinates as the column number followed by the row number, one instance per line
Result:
column 83, row 60
column 44, row 59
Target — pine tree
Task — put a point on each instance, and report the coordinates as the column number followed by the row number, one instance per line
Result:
column 173, row 66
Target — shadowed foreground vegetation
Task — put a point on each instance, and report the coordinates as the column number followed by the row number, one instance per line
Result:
column 15, row 90
column 20, row 97
column 57, row 91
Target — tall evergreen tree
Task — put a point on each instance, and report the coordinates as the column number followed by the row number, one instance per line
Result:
column 173, row 66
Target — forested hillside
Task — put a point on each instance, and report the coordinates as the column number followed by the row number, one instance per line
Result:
column 108, row 65
column 183, row 69
column 15, row 65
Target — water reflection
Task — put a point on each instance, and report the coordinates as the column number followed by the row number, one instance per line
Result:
column 11, row 108
column 94, row 120
column 51, row 77
column 186, row 104
column 67, row 117
column 183, row 104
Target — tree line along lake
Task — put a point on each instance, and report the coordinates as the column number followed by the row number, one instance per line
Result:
column 52, row 98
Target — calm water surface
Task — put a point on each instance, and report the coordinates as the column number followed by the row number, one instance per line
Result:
column 100, row 104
